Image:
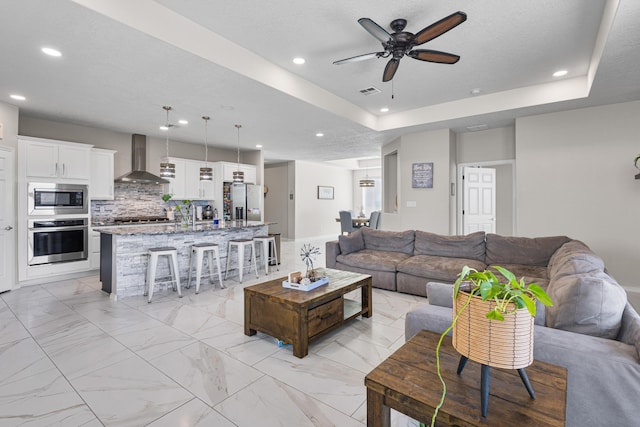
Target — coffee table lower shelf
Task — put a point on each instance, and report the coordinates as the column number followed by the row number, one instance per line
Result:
column 407, row 382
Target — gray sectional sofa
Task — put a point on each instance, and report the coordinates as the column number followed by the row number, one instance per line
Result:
column 591, row 330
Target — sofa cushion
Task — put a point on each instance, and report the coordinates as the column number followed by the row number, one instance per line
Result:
column 352, row 242
column 368, row 259
column 437, row 267
column 590, row 304
column 529, row 272
column 522, row 250
column 574, row 257
column 391, row 241
column 470, row 246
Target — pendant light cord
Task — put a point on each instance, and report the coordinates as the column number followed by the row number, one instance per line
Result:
column 167, row 109
column 238, row 127
column 206, row 145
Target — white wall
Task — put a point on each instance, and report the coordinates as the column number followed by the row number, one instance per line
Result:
column 432, row 205
column 314, row 217
column 276, row 201
column 575, row 176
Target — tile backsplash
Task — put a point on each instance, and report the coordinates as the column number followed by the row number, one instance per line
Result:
column 132, row 200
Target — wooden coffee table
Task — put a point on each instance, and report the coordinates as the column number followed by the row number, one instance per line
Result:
column 299, row 317
column 407, row 382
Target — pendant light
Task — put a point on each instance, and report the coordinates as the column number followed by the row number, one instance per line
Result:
column 167, row 169
column 206, row 173
column 367, row 182
column 238, row 175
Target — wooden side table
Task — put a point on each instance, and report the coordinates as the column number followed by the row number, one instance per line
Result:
column 407, row 382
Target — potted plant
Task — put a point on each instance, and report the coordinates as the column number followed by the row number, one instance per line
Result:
column 182, row 209
column 486, row 309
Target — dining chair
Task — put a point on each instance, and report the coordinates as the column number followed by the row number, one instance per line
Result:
column 346, row 224
column 374, row 220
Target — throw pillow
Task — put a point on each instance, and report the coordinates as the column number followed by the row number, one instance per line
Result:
column 590, row 304
column 352, row 242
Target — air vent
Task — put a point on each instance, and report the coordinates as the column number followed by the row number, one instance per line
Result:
column 474, row 128
column 370, row 91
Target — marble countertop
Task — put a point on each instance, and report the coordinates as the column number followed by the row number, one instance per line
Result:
column 176, row 228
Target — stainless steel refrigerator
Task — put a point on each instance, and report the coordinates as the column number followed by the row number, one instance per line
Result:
column 245, row 201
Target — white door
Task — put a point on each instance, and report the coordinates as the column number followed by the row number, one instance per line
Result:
column 7, row 221
column 479, row 203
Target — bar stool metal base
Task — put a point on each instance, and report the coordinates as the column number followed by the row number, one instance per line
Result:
column 199, row 249
column 240, row 245
column 267, row 242
column 154, row 254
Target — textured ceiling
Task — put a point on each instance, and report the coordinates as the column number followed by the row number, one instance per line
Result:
column 123, row 60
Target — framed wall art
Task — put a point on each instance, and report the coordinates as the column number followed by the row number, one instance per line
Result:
column 422, row 175
column 325, row 192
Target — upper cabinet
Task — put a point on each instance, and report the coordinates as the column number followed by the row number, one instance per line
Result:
column 229, row 168
column 65, row 160
column 101, row 184
column 187, row 184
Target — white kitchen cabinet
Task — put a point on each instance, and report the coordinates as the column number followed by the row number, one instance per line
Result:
column 101, row 184
column 187, row 184
column 229, row 168
column 94, row 248
column 65, row 160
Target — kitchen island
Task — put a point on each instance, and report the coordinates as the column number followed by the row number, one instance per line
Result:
column 123, row 250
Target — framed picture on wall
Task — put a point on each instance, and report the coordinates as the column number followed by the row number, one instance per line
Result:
column 422, row 175
column 325, row 192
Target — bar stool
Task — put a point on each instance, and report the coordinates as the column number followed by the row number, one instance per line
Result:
column 154, row 254
column 200, row 248
column 267, row 242
column 240, row 245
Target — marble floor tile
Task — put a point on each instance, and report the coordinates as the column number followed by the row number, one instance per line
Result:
column 209, row 374
column 153, row 342
column 130, row 393
column 82, row 349
column 330, row 382
column 193, row 414
column 72, row 356
column 275, row 404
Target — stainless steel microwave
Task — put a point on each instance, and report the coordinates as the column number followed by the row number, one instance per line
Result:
column 49, row 198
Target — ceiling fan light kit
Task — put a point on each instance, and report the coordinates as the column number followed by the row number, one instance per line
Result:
column 401, row 43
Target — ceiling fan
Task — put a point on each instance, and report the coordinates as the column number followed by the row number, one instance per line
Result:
column 402, row 43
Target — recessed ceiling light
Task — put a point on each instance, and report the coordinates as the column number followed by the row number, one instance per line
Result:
column 560, row 73
column 18, row 97
column 384, row 110
column 183, row 122
column 475, row 91
column 319, row 134
column 299, row 61
column 258, row 145
column 51, row 52
column 164, row 128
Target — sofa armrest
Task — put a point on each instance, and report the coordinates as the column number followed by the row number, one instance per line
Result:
column 440, row 294
column 332, row 250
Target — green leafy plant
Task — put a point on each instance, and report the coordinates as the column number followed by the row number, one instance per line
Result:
column 509, row 296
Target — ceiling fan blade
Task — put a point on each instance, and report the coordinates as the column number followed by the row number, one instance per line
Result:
column 358, row 58
column 390, row 69
column 439, row 28
column 434, row 56
column 375, row 30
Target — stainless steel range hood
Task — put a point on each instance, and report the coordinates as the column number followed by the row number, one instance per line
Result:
column 139, row 175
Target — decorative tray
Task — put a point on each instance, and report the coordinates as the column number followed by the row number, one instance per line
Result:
column 310, row 286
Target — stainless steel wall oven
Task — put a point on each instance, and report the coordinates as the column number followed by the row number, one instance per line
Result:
column 58, row 240
column 50, row 199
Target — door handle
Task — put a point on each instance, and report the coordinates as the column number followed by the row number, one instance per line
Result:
column 8, row 228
